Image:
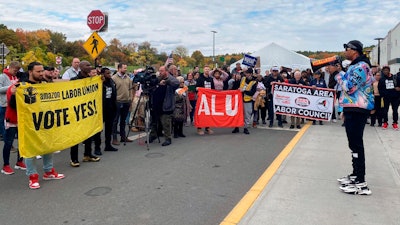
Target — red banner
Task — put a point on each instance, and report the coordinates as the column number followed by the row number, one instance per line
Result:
column 219, row 108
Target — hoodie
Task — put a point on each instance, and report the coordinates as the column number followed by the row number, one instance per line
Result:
column 6, row 79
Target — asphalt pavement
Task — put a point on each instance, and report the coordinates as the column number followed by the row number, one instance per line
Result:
column 196, row 181
column 302, row 187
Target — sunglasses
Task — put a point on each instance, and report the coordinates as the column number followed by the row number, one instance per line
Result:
column 349, row 46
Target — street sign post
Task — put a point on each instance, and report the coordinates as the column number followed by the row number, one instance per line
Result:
column 96, row 20
column 94, row 45
column 3, row 52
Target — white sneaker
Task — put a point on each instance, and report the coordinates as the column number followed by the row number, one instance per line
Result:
column 347, row 179
column 356, row 188
column 334, row 121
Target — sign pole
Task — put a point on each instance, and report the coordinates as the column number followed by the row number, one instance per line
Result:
column 2, row 56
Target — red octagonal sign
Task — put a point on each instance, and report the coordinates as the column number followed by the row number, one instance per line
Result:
column 96, row 20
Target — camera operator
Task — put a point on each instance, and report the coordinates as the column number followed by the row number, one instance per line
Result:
column 163, row 104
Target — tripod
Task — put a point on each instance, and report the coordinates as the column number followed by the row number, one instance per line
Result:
column 147, row 117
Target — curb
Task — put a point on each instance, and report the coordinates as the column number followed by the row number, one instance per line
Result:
column 243, row 206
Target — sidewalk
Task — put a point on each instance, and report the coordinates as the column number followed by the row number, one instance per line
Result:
column 304, row 189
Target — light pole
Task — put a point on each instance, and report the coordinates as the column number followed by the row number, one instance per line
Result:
column 214, row 32
column 379, row 50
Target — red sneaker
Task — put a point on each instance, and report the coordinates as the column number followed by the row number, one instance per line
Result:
column 385, row 126
column 53, row 175
column 34, row 181
column 20, row 166
column 7, row 170
column 395, row 126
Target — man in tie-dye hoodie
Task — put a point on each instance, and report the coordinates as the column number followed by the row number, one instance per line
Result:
column 357, row 100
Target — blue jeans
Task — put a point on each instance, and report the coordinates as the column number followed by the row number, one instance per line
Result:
column 9, row 136
column 31, row 164
column 2, row 115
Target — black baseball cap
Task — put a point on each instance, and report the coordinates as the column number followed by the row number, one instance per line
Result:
column 355, row 45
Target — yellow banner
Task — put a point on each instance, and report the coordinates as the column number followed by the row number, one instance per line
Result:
column 56, row 116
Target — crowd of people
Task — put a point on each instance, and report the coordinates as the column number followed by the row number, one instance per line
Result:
column 173, row 102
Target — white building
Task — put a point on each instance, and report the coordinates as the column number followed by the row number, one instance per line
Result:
column 389, row 49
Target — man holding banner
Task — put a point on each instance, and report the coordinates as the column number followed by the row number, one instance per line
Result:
column 248, row 87
column 36, row 72
column 205, row 81
column 85, row 69
column 268, row 80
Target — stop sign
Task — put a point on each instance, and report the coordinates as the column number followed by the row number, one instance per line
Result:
column 96, row 20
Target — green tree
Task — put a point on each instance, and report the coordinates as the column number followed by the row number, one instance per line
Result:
column 36, row 54
column 75, row 49
column 190, row 62
column 8, row 36
column 58, row 42
column 198, row 58
column 146, row 54
column 129, row 49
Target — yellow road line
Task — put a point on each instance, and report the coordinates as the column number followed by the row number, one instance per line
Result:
column 251, row 196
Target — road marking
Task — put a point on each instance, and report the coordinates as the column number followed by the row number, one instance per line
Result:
column 238, row 212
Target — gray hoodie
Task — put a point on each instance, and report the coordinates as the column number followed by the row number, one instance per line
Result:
column 5, row 82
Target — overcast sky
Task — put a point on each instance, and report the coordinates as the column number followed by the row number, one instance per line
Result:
column 242, row 26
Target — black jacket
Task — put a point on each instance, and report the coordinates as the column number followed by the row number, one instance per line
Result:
column 109, row 99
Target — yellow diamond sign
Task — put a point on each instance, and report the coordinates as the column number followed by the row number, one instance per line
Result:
column 94, row 45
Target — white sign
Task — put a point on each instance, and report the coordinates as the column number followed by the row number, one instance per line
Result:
column 303, row 101
column 3, row 61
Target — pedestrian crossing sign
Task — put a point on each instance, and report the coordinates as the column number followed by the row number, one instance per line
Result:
column 94, row 45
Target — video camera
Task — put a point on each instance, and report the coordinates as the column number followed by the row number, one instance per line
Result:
column 147, row 78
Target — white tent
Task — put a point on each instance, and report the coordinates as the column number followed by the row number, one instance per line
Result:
column 276, row 55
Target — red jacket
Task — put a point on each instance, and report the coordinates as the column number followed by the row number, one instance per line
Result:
column 11, row 110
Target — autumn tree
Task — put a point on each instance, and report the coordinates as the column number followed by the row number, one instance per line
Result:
column 129, row 50
column 146, row 54
column 113, row 53
column 8, row 36
column 181, row 51
column 198, row 58
column 58, row 42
